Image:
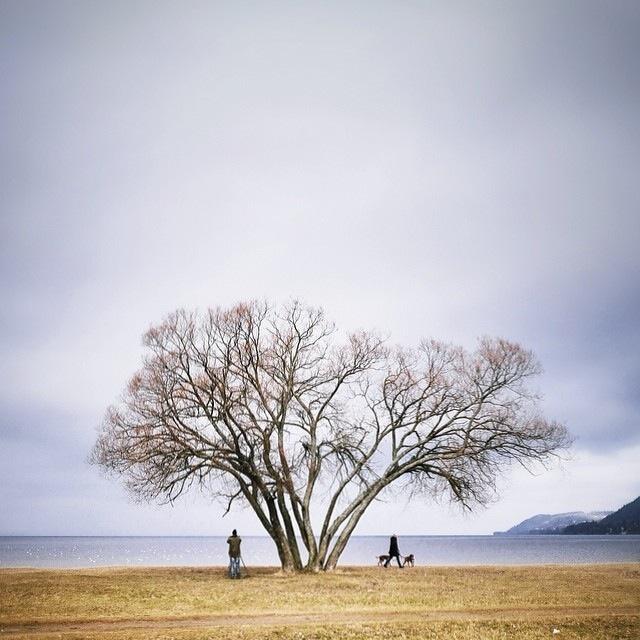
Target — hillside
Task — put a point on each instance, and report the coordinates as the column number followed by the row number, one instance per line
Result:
column 624, row 520
column 545, row 523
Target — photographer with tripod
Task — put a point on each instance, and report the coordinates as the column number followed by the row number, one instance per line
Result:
column 234, row 554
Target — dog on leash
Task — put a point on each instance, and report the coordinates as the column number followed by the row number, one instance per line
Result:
column 409, row 561
column 382, row 559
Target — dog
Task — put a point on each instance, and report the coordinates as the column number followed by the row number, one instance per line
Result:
column 381, row 560
column 409, row 561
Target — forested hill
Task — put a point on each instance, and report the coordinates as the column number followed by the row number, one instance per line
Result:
column 548, row 523
column 624, row 520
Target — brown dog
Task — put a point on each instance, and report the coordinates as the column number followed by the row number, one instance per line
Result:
column 409, row 561
column 381, row 560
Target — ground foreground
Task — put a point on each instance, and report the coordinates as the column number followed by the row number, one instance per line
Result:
column 457, row 603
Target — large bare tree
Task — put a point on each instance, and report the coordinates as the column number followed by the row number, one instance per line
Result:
column 270, row 406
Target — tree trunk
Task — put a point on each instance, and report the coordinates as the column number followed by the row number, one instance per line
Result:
column 292, row 543
column 314, row 563
column 287, row 558
column 345, row 534
column 287, row 562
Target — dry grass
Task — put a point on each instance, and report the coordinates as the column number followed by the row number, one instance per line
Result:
column 594, row 601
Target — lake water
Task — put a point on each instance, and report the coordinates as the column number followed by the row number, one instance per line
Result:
column 208, row 551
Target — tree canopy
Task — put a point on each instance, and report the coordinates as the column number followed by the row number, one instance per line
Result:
column 266, row 404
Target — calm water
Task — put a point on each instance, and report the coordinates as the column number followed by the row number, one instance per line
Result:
column 428, row 550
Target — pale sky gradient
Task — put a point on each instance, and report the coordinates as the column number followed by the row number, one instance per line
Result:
column 427, row 169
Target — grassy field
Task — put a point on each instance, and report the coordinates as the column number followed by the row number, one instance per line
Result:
column 458, row 603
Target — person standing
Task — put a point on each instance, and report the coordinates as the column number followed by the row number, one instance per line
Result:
column 394, row 552
column 234, row 554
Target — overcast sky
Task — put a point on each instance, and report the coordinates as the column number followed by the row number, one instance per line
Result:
column 427, row 169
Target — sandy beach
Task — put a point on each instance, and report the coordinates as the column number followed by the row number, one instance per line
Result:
column 583, row 601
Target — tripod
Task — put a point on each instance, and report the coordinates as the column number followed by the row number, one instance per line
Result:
column 245, row 566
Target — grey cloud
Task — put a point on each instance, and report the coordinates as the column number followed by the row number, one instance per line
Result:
column 428, row 169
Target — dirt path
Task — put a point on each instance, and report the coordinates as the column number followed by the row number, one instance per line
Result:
column 341, row 618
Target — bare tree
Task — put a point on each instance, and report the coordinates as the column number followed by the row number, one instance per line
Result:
column 265, row 405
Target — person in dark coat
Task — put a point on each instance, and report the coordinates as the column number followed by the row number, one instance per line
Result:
column 394, row 552
column 234, row 554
